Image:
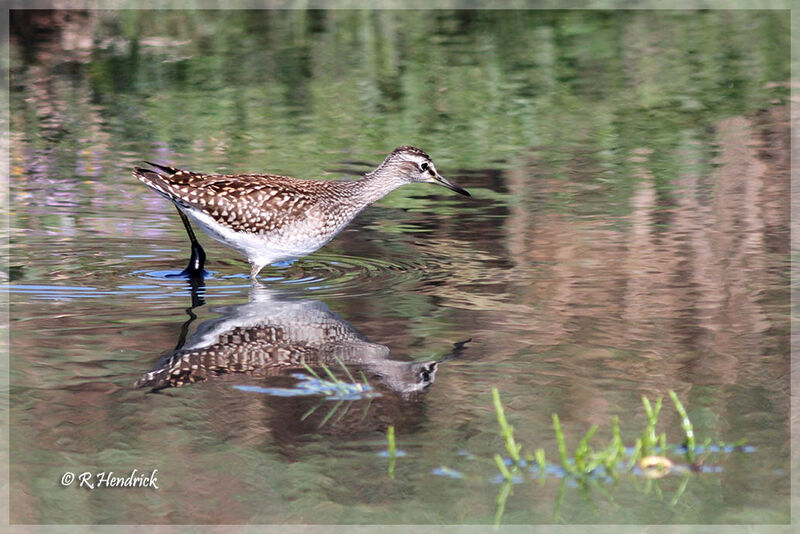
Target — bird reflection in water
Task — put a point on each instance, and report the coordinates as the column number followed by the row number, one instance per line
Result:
column 272, row 337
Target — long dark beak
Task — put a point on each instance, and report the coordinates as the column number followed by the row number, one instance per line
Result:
column 449, row 185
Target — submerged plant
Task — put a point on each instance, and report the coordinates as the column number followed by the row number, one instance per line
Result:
column 344, row 388
column 328, row 388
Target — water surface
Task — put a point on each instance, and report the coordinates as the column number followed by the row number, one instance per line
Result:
column 627, row 235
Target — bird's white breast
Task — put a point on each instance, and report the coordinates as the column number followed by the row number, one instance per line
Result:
column 291, row 242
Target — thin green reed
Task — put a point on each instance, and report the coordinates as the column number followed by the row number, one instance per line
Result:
column 506, row 430
column 562, row 446
column 541, row 461
column 686, row 424
column 614, row 450
column 391, row 449
column 501, row 466
column 585, row 458
column 649, row 438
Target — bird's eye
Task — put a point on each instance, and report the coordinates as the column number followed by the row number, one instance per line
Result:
column 424, row 167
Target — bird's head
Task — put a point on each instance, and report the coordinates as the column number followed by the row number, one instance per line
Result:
column 413, row 165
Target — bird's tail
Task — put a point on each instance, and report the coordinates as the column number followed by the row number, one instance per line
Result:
column 158, row 180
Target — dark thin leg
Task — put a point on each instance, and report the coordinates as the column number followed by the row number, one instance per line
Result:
column 198, row 258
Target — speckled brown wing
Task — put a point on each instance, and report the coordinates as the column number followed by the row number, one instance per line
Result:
column 257, row 203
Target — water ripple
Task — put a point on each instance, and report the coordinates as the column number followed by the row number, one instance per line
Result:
column 327, row 274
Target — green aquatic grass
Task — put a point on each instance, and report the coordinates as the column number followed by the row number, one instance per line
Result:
column 506, row 430
column 330, row 413
column 343, row 387
column 686, row 424
column 392, row 450
column 586, row 459
column 588, row 464
column 614, row 457
column 649, row 438
column 637, row 454
column 541, row 461
column 500, row 501
column 562, row 445
column 337, row 387
column 615, row 449
column 501, row 466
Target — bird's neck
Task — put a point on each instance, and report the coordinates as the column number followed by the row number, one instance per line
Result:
column 377, row 184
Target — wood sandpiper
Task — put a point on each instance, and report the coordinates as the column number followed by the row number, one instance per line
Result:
column 271, row 218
